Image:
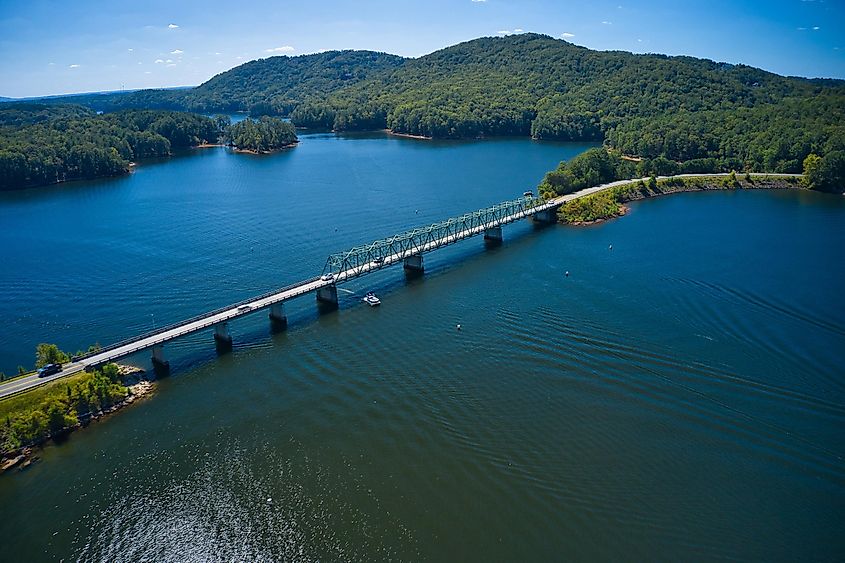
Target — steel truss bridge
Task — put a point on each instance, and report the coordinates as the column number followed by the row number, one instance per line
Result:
column 363, row 259
column 408, row 247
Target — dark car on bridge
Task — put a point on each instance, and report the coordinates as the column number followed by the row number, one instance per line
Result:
column 49, row 369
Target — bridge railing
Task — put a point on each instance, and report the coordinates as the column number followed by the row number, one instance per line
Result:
column 174, row 326
column 403, row 244
column 413, row 241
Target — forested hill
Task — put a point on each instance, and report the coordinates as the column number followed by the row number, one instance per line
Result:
column 535, row 84
column 272, row 86
column 276, row 85
column 719, row 115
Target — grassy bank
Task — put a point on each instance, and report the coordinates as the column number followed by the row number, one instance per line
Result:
column 610, row 203
column 50, row 410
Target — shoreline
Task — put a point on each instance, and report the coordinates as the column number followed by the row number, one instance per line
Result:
column 137, row 388
column 407, row 135
column 255, row 152
column 637, row 190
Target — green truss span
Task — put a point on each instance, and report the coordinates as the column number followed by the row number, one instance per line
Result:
column 381, row 253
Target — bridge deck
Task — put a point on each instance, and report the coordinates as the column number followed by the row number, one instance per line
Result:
column 228, row 313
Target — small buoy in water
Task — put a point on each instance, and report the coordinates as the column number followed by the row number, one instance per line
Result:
column 458, row 327
column 610, row 247
column 567, row 273
column 269, row 501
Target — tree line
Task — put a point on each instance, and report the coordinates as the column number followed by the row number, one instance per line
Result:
column 91, row 146
column 41, row 145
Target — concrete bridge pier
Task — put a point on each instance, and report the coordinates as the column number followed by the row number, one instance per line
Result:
column 222, row 338
column 327, row 295
column 493, row 234
column 414, row 263
column 160, row 365
column 547, row 216
column 277, row 316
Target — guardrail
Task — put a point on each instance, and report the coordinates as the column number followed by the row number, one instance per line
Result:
column 174, row 326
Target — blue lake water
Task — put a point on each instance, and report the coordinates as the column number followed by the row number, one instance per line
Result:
column 680, row 396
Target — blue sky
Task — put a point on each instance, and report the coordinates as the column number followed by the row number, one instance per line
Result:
column 63, row 46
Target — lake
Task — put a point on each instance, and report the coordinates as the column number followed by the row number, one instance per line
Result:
column 681, row 395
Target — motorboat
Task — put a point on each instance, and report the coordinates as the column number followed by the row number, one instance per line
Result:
column 371, row 299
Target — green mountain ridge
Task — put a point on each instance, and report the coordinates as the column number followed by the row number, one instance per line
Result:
column 718, row 116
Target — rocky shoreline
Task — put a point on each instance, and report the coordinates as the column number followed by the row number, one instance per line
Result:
column 407, row 135
column 251, row 151
column 138, row 387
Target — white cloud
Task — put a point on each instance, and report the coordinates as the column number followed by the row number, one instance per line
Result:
column 802, row 29
column 147, row 72
column 816, row 28
column 159, row 61
column 171, row 64
column 173, row 26
column 51, row 64
column 567, row 35
column 517, row 30
column 282, row 49
column 130, row 49
column 176, row 52
column 479, row 0
column 605, row 22
column 509, row 31
column 73, row 66
column 169, row 61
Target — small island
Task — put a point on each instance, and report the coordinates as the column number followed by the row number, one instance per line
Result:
column 261, row 136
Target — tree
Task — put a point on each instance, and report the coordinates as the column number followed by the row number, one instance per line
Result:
column 826, row 173
column 49, row 354
column 812, row 170
column 112, row 372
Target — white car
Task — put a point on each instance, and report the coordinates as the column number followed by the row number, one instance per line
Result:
column 327, row 277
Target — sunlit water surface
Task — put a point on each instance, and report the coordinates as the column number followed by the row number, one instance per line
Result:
column 680, row 396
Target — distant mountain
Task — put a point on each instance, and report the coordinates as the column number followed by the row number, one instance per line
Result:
column 272, row 86
column 535, row 84
column 721, row 115
column 18, row 114
column 278, row 84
